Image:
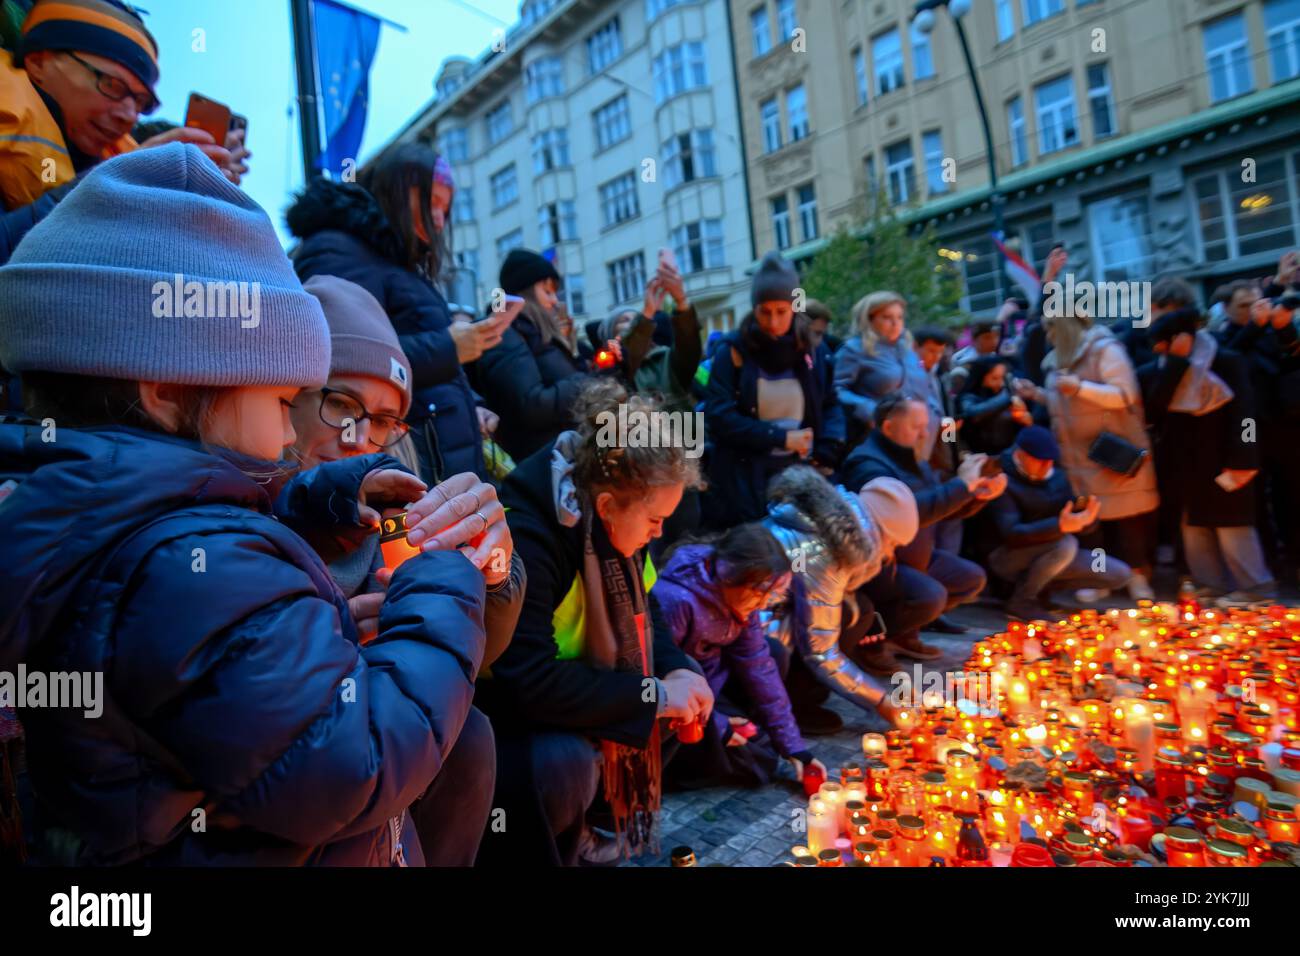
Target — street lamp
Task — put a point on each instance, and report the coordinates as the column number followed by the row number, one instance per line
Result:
column 924, row 20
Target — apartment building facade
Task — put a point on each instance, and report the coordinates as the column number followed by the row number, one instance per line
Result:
column 1149, row 136
column 598, row 132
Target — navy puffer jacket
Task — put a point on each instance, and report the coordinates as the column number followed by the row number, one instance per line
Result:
column 232, row 676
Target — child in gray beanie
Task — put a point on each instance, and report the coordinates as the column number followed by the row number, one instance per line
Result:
column 162, row 337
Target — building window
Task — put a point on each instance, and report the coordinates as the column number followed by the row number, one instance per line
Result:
column 873, row 181
column 505, row 187
column 808, row 212
column 462, row 207
column 786, row 19
column 796, row 108
column 980, row 261
column 511, row 240
column 450, row 85
column 922, row 61
column 500, row 123
column 699, row 246
column 550, row 150
column 1121, row 238
column 900, row 170
column 887, row 55
column 761, row 30
column 604, row 46
column 467, row 259
column 618, row 200
column 454, row 145
column 1227, row 57
column 678, row 69
column 613, row 125
column 1019, row 134
column 860, row 74
column 1006, row 21
column 1057, row 126
column 543, row 78
column 534, row 10
column 557, row 222
column 627, row 277
column 1100, row 101
column 781, row 221
column 655, row 7
column 1282, row 21
column 1241, row 219
column 1036, row 10
column 575, row 293
column 689, row 156
column 932, row 146
column 771, row 125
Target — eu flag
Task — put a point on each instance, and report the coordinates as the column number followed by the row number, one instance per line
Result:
column 346, row 40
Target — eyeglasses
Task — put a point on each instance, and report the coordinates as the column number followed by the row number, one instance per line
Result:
column 116, row 89
column 340, row 410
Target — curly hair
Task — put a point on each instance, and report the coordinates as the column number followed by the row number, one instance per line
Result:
column 626, row 470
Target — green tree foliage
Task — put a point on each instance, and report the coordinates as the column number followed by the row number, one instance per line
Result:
column 886, row 253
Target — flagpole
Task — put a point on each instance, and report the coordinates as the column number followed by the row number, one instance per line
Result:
column 304, row 55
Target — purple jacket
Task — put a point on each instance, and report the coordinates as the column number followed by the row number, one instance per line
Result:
column 702, row 626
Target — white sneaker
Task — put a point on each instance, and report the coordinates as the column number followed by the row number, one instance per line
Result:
column 1091, row 595
column 1139, row 588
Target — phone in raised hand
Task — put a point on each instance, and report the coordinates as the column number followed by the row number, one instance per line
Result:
column 667, row 260
column 208, row 115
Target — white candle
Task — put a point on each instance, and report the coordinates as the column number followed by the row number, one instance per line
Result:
column 822, row 827
column 1140, row 734
column 832, row 794
column 874, row 745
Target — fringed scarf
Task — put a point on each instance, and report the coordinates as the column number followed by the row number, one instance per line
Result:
column 616, row 637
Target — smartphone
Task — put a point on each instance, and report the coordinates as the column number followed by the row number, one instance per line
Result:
column 210, row 116
column 990, row 468
column 668, row 259
column 1081, row 503
column 238, row 122
column 512, row 306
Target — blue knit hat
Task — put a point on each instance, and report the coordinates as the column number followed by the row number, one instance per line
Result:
column 155, row 268
column 1037, row 442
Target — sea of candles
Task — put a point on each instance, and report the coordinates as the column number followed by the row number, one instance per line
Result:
column 1159, row 735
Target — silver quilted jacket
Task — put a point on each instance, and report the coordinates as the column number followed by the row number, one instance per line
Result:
column 813, row 630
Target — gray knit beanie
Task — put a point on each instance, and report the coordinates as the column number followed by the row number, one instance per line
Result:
column 362, row 340
column 775, row 280
column 155, row 268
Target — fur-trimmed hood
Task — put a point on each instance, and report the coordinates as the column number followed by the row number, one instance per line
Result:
column 344, row 207
column 801, row 495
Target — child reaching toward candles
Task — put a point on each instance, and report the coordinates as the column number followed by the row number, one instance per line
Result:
column 836, row 542
column 707, row 600
column 141, row 548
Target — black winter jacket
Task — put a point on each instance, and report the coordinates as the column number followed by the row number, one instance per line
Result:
column 345, row 234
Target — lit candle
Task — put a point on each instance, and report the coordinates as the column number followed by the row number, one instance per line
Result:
column 874, row 746
column 1018, row 695
column 1000, row 853
column 832, row 794
column 1140, row 735
column 823, row 826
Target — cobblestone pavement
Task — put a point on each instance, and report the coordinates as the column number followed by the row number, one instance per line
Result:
column 732, row 826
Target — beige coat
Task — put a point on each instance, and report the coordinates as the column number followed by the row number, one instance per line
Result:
column 1110, row 400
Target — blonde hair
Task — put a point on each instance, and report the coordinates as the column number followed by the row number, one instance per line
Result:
column 867, row 307
column 1068, row 335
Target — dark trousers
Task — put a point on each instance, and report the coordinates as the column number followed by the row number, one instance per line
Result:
column 546, row 781
column 909, row 599
column 1131, row 539
column 452, row 813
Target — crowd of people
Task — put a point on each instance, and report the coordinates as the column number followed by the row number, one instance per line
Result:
column 193, row 503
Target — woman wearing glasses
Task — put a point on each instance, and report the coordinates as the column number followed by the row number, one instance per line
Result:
column 358, row 417
column 85, row 76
